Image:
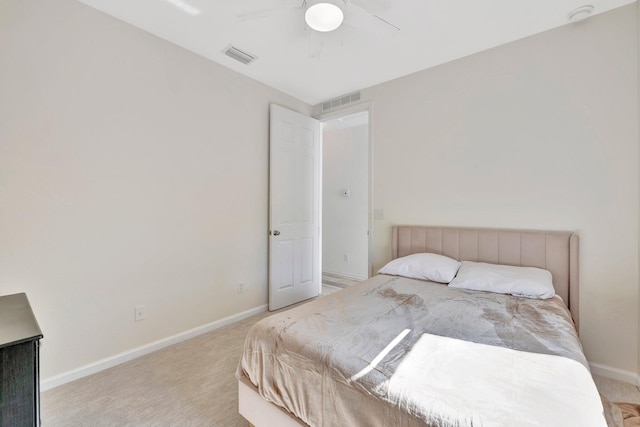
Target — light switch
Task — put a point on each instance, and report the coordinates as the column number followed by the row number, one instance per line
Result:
column 378, row 214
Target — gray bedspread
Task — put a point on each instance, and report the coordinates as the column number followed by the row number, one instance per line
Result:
column 392, row 351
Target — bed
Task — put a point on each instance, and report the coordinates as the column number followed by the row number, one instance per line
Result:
column 398, row 351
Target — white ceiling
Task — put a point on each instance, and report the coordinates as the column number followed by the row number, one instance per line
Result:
column 364, row 51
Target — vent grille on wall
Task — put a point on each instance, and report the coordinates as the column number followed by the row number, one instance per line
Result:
column 239, row 55
column 341, row 101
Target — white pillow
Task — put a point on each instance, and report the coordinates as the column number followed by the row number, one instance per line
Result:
column 530, row 282
column 434, row 267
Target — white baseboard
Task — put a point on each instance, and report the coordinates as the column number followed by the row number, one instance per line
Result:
column 344, row 275
column 100, row 365
column 615, row 373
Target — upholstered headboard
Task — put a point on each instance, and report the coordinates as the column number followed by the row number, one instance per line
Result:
column 555, row 251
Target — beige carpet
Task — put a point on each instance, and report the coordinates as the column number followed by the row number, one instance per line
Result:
column 332, row 283
column 617, row 391
column 621, row 402
column 188, row 384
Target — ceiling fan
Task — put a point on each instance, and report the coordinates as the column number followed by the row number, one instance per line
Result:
column 324, row 16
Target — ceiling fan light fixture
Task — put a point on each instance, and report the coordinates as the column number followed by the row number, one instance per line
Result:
column 324, row 15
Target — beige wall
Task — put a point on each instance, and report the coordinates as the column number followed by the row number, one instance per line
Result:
column 131, row 172
column 541, row 133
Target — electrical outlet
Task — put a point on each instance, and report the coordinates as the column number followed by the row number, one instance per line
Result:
column 346, row 257
column 141, row 312
column 240, row 288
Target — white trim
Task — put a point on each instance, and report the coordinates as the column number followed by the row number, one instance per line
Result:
column 341, row 275
column 615, row 373
column 100, row 365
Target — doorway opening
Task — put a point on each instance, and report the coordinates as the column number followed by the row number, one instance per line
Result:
column 346, row 198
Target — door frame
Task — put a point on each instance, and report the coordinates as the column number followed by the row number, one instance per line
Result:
column 347, row 111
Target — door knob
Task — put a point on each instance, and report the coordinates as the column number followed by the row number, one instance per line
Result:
column 276, row 233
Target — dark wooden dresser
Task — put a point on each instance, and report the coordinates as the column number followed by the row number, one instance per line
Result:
column 19, row 358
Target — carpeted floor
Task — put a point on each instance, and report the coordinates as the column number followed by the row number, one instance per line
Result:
column 617, row 391
column 192, row 383
column 621, row 400
column 188, row 384
column 332, row 283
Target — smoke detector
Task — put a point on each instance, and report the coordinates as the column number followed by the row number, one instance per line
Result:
column 580, row 14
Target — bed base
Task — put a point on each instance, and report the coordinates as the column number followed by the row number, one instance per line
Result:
column 261, row 413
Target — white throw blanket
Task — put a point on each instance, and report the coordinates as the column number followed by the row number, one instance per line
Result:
column 453, row 381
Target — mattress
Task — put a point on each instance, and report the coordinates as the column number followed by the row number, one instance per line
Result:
column 392, row 351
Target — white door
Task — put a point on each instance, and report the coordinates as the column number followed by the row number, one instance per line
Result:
column 294, row 205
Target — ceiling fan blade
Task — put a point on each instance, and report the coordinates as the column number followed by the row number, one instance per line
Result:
column 316, row 43
column 293, row 5
column 373, row 6
column 360, row 18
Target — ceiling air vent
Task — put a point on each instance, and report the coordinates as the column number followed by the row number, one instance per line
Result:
column 341, row 101
column 239, row 55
